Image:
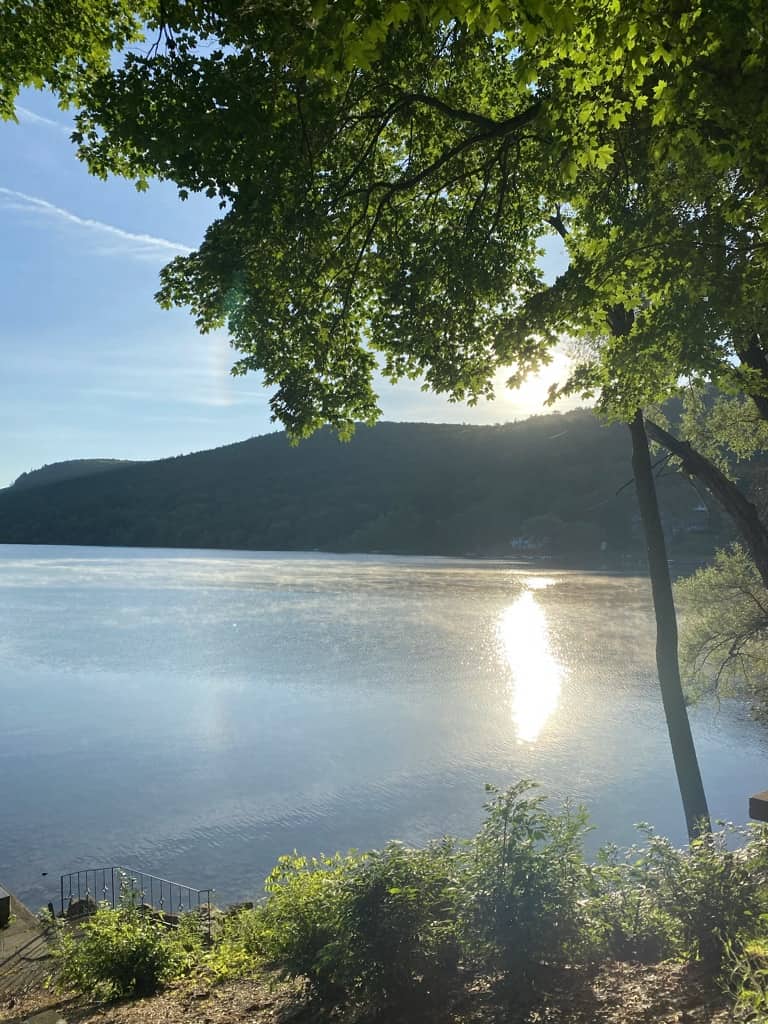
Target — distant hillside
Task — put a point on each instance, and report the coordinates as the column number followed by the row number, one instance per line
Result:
column 544, row 484
column 69, row 470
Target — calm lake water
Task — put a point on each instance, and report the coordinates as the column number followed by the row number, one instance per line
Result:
column 196, row 714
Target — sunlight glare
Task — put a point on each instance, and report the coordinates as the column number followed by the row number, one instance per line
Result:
column 531, row 398
column 537, row 676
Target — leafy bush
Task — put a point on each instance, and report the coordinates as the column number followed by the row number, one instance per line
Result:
column 125, row 951
column 528, row 879
column 711, row 891
column 378, row 928
column 299, row 929
column 238, row 944
column 393, row 928
column 746, row 975
column 402, row 919
column 625, row 920
column 398, row 932
column 662, row 901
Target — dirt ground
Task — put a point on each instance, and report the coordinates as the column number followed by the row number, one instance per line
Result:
column 615, row 993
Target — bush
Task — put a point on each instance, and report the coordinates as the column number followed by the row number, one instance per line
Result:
column 402, row 919
column 713, row 893
column 237, row 946
column 662, row 901
column 528, row 878
column 125, row 951
column 395, row 928
column 377, row 928
column 625, row 920
column 299, row 929
column 398, row 932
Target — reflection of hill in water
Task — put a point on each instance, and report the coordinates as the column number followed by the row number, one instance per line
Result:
column 397, row 487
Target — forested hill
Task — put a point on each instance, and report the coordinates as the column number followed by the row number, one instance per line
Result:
column 69, row 470
column 546, row 483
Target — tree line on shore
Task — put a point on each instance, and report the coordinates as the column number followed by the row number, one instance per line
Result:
column 544, row 486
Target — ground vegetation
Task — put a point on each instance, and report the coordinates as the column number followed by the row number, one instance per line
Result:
column 513, row 924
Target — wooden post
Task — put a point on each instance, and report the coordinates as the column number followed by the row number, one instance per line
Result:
column 5, row 907
column 758, row 806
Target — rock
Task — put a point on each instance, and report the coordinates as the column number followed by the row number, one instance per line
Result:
column 81, row 908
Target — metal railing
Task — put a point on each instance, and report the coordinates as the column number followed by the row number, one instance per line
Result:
column 82, row 892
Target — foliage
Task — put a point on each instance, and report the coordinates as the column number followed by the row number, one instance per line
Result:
column 404, row 929
column 237, row 944
column 725, row 628
column 399, row 928
column 377, row 929
column 62, row 44
column 746, row 977
column 624, row 918
column 527, row 879
column 711, row 891
column 725, row 428
column 660, row 901
column 301, row 924
column 400, row 933
column 125, row 951
column 403, row 913
column 396, row 165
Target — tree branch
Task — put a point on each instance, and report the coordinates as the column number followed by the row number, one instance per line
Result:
column 724, row 491
column 499, row 130
column 454, row 113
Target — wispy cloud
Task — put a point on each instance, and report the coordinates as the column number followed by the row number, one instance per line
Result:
column 27, row 116
column 200, row 397
column 126, row 242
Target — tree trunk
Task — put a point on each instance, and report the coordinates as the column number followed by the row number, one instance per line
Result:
column 675, row 711
column 727, row 494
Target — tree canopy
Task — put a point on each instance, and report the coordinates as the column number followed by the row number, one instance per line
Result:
column 387, row 170
column 62, row 44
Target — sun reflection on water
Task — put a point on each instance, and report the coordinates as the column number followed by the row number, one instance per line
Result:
column 537, row 675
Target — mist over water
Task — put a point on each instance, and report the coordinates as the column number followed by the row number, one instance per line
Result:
column 196, row 714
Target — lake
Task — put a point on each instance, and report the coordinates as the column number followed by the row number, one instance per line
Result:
column 197, row 713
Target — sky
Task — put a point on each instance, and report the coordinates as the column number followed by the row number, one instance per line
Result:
column 91, row 366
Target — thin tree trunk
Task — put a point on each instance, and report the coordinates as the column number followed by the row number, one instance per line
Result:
column 675, row 711
column 725, row 492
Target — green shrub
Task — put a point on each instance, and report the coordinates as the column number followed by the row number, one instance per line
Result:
column 239, row 944
column 300, row 927
column 663, row 901
column 715, row 896
column 527, row 880
column 625, row 918
column 398, row 932
column 402, row 918
column 745, row 972
column 378, row 929
column 126, row 951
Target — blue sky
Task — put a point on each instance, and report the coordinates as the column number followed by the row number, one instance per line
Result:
column 91, row 366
